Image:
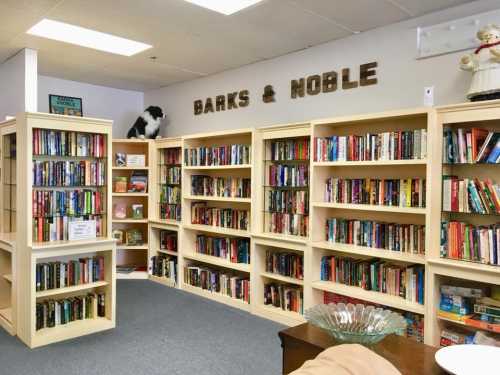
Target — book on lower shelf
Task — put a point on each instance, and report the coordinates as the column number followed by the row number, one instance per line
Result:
column 404, row 238
column 218, row 281
column 415, row 322
column 227, row 187
column 164, row 266
column 168, row 240
column 57, row 274
column 231, row 218
column 404, row 192
column 404, row 281
column 53, row 313
column 234, row 250
column 285, row 264
column 395, row 145
column 236, row 154
column 470, row 195
column 284, row 296
column 475, row 243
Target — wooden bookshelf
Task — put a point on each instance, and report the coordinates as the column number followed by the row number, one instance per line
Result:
column 133, row 255
column 158, row 247
column 21, row 142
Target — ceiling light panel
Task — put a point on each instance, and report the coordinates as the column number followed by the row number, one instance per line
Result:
column 80, row 36
column 226, row 7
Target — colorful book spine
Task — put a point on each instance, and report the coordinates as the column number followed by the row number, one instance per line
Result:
column 63, row 143
column 55, row 228
column 228, row 187
column 470, row 146
column 288, row 224
column 375, row 275
column 170, row 175
column 407, row 238
column 55, row 275
column 285, row 264
column 470, row 195
column 285, row 297
column 288, row 201
column 218, row 156
column 53, row 313
column 283, row 175
column 171, row 156
column 399, row 145
column 290, row 149
column 219, row 217
column 386, row 192
column 168, row 240
column 218, row 281
column 234, row 250
column 52, row 203
column 69, row 173
column 164, row 266
column 468, row 242
column 170, row 211
column 170, row 195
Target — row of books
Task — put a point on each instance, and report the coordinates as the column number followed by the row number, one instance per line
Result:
column 285, row 264
column 52, row 313
column 170, row 175
column 170, row 194
column 376, row 275
column 290, row 149
column 218, row 281
column 69, row 173
column 288, row 224
column 469, row 146
column 470, row 195
column 219, row 217
column 56, row 228
column 468, row 242
column 229, row 187
column 168, row 240
column 48, row 203
column 55, row 275
column 288, row 201
column 285, row 297
column 382, row 192
column 398, row 145
column 170, row 211
column 171, row 156
column 408, row 238
column 63, row 143
column 415, row 322
column 234, row 250
column 217, row 156
column 164, row 266
column 282, row 175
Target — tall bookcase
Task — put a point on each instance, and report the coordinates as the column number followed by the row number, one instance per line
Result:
column 215, row 202
column 444, row 270
column 44, row 142
column 130, row 254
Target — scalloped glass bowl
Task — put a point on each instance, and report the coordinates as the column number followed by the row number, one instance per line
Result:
column 356, row 323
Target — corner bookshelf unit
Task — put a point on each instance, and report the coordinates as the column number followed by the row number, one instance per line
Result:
column 79, row 149
column 282, row 158
column 358, row 160
column 163, row 254
column 132, row 157
column 220, row 166
column 168, row 175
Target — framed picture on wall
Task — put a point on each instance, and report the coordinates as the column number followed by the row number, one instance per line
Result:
column 65, row 105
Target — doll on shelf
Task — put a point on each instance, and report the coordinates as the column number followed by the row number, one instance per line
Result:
column 484, row 64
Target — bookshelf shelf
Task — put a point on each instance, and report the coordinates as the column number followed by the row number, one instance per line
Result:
column 163, row 280
column 217, row 199
column 131, row 168
column 239, row 304
column 281, row 238
column 71, row 289
column 130, row 194
column 285, row 279
column 131, row 221
column 218, row 167
column 169, row 252
column 370, row 252
column 369, row 163
column 217, row 230
column 290, row 318
column 218, row 262
column 370, row 296
column 135, row 275
column 368, row 207
column 478, row 268
column 6, row 314
column 132, row 247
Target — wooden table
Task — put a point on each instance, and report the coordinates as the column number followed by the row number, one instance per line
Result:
column 306, row 341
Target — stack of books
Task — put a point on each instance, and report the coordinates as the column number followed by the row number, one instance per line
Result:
column 285, row 297
column 469, row 146
column 218, row 156
column 219, row 217
column 470, row 195
column 400, row 145
column 393, row 192
column 403, row 281
column 408, row 238
column 234, row 250
column 285, row 264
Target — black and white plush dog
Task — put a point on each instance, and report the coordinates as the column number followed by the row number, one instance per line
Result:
column 148, row 124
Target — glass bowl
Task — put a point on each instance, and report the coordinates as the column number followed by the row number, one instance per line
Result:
column 356, row 323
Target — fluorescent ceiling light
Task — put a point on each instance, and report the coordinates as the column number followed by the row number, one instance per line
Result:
column 80, row 36
column 226, row 7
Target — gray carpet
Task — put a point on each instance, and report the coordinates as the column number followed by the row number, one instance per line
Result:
column 160, row 331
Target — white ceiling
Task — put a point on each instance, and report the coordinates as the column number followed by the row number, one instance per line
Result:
column 189, row 41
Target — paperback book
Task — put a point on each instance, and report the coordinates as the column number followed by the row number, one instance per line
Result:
column 284, row 297
column 219, row 217
column 285, row 264
column 234, row 250
column 63, row 143
column 228, row 187
column 69, row 173
column 217, row 156
column 470, row 195
column 470, row 146
column 164, row 266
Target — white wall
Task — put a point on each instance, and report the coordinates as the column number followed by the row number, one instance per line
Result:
column 121, row 106
column 401, row 80
column 18, row 82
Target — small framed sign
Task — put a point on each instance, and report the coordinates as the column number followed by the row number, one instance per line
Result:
column 65, row 105
column 82, row 230
column 135, row 160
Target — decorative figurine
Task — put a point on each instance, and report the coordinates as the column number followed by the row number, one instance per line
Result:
column 484, row 64
column 147, row 125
